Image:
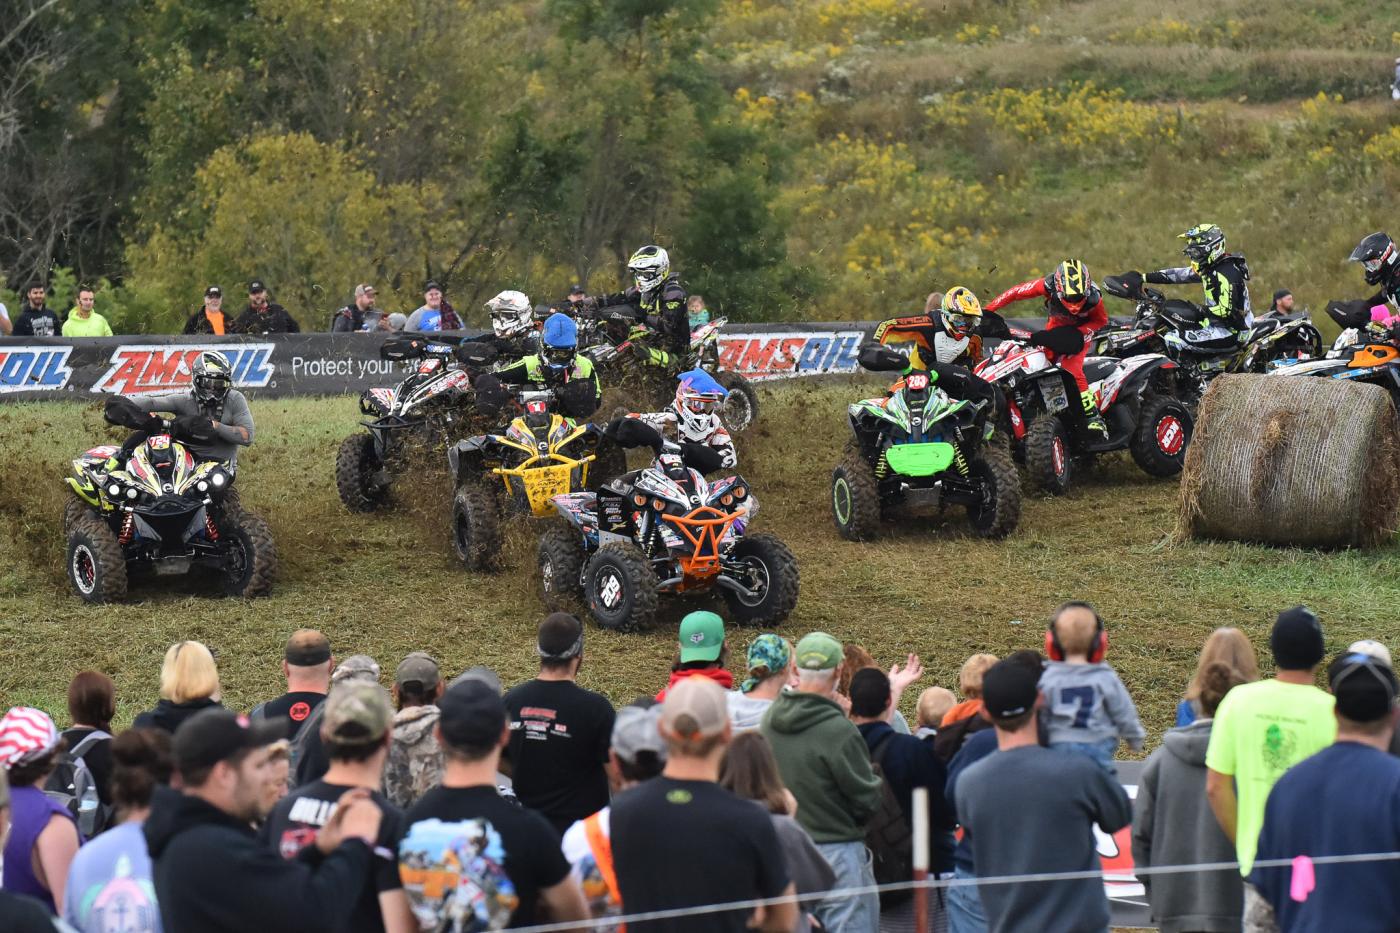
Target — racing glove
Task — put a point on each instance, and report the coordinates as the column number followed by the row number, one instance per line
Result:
column 198, row 428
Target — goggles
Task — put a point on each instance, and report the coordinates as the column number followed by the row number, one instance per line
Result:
column 703, row 404
column 559, row 356
column 1373, row 265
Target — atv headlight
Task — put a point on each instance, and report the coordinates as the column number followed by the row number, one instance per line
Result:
column 218, row 479
column 114, row 490
column 202, row 486
column 131, row 493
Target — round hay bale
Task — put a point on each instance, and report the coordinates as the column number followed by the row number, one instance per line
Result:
column 1292, row 461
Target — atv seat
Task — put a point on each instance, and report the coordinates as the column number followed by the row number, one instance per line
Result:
column 1098, row 368
column 1183, row 312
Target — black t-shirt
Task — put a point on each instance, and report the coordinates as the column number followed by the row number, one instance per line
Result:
column 470, row 860
column 292, row 826
column 691, row 843
column 21, row 914
column 294, row 707
column 41, row 323
column 98, row 758
column 559, row 738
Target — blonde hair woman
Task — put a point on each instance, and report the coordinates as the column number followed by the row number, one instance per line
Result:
column 1227, row 646
column 189, row 682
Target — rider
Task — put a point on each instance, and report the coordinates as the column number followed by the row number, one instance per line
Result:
column 212, row 411
column 1225, row 279
column 949, row 334
column 558, row 365
column 1072, row 303
column 512, row 325
column 1380, row 260
column 660, row 301
column 694, row 415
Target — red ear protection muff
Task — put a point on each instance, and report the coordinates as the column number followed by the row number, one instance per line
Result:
column 1098, row 649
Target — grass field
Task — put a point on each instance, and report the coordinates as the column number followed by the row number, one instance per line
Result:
column 387, row 584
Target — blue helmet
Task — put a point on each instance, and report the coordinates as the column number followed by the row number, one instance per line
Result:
column 559, row 340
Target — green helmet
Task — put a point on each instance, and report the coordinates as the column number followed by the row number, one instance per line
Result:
column 1205, row 244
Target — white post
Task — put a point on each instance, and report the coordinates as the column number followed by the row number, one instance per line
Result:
column 921, row 858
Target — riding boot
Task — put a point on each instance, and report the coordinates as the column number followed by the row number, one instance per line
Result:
column 1091, row 412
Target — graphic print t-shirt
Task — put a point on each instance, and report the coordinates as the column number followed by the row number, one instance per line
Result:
column 293, row 824
column 294, row 707
column 471, row 861
column 109, row 884
column 578, row 849
column 559, row 737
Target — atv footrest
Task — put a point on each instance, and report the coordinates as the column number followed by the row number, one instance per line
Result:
column 1112, row 442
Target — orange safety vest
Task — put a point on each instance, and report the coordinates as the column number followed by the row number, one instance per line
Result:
column 601, row 846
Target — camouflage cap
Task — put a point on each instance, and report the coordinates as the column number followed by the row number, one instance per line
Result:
column 357, row 713
column 356, row 667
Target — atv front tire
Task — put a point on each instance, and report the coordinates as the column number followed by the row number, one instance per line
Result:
column 476, row 526
column 773, row 567
column 1163, row 432
column 1049, row 462
column 355, row 466
column 855, row 498
column 251, row 576
column 619, row 587
column 741, row 406
column 1000, row 510
column 72, row 508
column 96, row 565
column 560, row 556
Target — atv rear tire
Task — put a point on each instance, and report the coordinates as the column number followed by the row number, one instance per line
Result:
column 619, row 587
column 476, row 526
column 1000, row 512
column 855, row 498
column 1049, row 462
column 96, row 565
column 355, row 464
column 741, row 407
column 770, row 560
column 1163, row 432
column 254, row 575
column 560, row 556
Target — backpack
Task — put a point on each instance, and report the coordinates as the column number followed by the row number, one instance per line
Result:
column 888, row 835
column 72, row 785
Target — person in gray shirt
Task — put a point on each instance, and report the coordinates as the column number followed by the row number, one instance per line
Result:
column 211, row 396
column 1032, row 810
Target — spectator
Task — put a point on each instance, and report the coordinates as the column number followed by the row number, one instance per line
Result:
column 92, row 702
column 43, row 835
column 750, row 771
column 770, row 669
column 355, row 731
column 109, row 883
column 415, row 761
column 397, row 321
column 497, row 863
column 825, row 763
column 306, row 665
column 1263, row 729
column 360, row 315
column 703, row 652
column 209, row 319
column 1282, row 305
column 696, row 312
column 19, row 913
column 1030, row 810
column 212, row 875
column 559, row 732
column 637, row 753
column 6, row 327
column 859, row 659
column 35, row 319
column 310, row 761
column 1344, row 800
column 83, row 321
column 573, row 303
column 964, row 718
column 276, row 775
column 263, row 316
column 1087, row 707
column 1173, row 825
column 435, row 314
column 728, row 849
column 1395, row 85
column 933, row 302
column 189, row 683
column 1228, row 646
column 934, row 704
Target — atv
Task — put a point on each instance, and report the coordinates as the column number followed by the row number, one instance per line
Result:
column 540, row 454
column 1365, row 351
column 1142, row 400
column 161, row 512
column 664, row 529
column 918, row 446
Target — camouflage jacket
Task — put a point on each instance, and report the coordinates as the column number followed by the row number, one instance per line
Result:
column 415, row 761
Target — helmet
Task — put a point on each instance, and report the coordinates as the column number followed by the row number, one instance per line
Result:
column 1205, row 243
column 1378, row 257
column 212, row 376
column 558, row 342
column 699, row 399
column 511, row 314
column 960, row 311
column 1072, row 287
column 649, row 267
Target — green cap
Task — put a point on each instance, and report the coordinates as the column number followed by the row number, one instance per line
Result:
column 818, row 651
column 702, row 636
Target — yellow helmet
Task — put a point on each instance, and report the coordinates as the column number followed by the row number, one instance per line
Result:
column 960, row 312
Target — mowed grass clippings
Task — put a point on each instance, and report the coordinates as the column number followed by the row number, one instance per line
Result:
column 387, row 583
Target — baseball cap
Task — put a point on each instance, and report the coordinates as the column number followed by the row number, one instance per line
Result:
column 1009, row 689
column 818, row 651
column 25, row 733
column 213, row 291
column 1374, row 648
column 695, row 708
column 214, row 735
column 1364, row 687
column 356, row 667
column 575, row 289
column 701, row 637
column 357, row 714
column 1296, row 639
column 560, row 637
column 307, row 648
column 364, row 289
column 1281, row 293
column 769, row 654
column 472, row 715
column 635, row 730
column 430, row 285
column 480, row 673
column 256, row 286
column 418, row 671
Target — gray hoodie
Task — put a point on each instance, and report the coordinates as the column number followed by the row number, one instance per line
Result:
column 746, row 712
column 1173, row 825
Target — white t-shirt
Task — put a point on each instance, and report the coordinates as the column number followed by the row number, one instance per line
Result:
column 4, row 312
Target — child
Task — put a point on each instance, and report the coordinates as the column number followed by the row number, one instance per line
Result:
column 970, row 684
column 1087, row 707
column 934, row 704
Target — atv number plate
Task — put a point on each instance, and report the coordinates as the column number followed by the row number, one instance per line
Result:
column 917, row 381
column 1054, row 395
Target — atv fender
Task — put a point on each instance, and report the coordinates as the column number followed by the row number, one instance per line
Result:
column 1141, row 378
column 468, row 457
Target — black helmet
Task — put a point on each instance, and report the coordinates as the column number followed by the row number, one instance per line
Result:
column 1378, row 257
column 212, row 377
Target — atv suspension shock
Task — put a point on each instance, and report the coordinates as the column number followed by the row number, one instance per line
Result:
column 959, row 459
column 882, row 466
column 210, row 527
column 128, row 529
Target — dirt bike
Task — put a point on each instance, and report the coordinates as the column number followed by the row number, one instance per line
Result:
column 918, row 446
column 1140, row 399
column 608, row 337
column 664, row 529
column 1365, row 351
column 161, row 512
column 425, row 408
column 540, row 454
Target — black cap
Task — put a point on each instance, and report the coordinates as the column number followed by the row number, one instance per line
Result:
column 430, row 285
column 1364, row 687
column 213, row 291
column 256, row 286
column 472, row 716
column 1009, row 690
column 214, row 735
column 1297, row 640
column 1281, row 293
column 575, row 289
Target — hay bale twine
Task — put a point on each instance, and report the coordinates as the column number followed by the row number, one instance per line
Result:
column 1295, row 461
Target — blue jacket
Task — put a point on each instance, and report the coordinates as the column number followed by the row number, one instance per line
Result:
column 909, row 763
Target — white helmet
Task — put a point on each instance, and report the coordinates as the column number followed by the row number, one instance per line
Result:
column 699, row 400
column 649, row 267
column 511, row 314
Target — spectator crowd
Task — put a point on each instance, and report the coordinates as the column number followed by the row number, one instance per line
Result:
column 785, row 801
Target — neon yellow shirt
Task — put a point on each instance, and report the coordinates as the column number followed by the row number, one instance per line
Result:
column 95, row 325
column 1261, row 730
